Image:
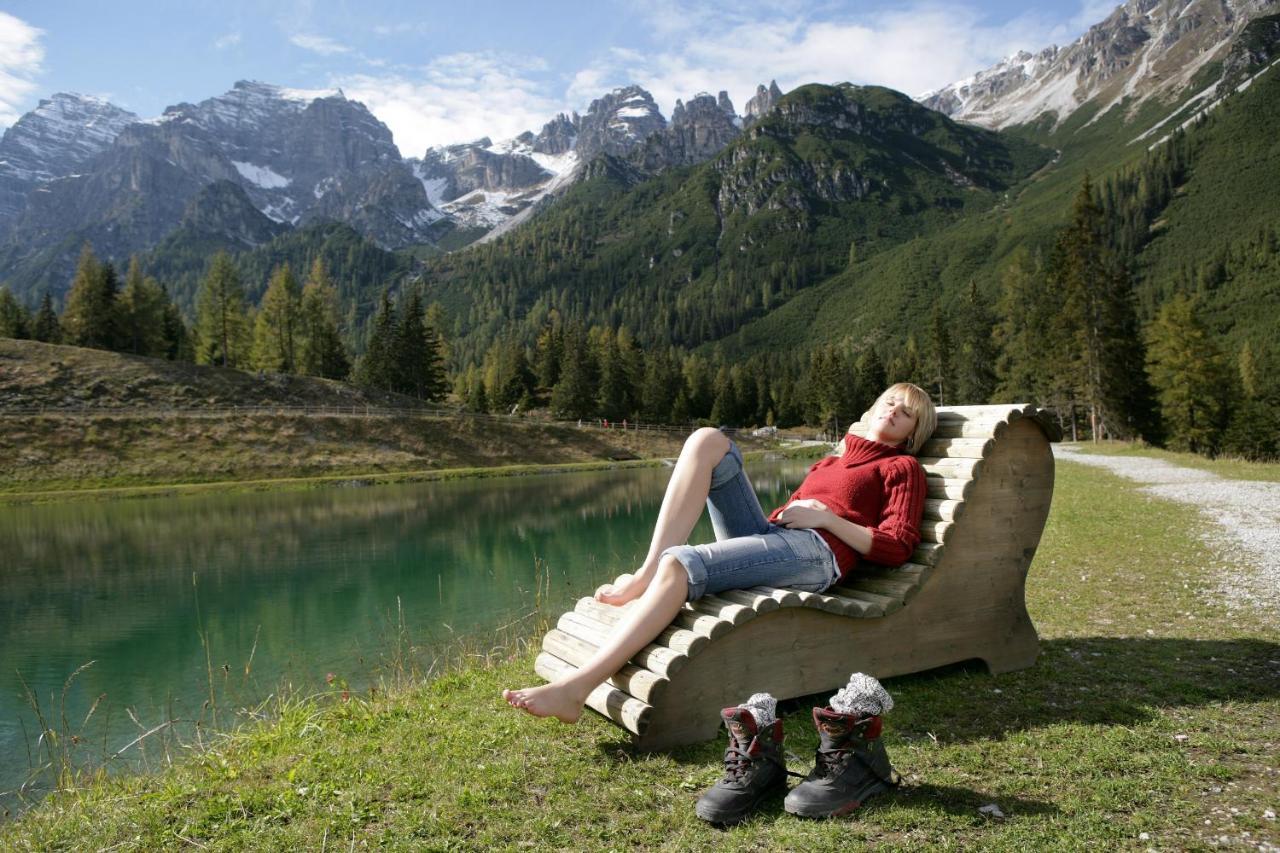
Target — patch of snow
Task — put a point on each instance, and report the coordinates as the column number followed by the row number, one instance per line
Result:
column 307, row 95
column 634, row 112
column 556, row 164
column 261, row 176
column 1206, row 109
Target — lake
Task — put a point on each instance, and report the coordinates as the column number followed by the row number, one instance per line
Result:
column 290, row 588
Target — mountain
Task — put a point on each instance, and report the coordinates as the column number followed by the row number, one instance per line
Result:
column 53, row 141
column 1144, row 49
column 297, row 156
column 689, row 254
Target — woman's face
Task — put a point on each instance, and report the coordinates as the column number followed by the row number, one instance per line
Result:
column 892, row 420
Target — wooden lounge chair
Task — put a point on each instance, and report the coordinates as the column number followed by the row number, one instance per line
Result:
column 961, row 597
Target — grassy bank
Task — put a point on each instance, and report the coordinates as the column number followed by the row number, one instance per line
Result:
column 1148, row 722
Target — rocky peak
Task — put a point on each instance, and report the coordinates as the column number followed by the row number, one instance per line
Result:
column 54, row 140
column 558, row 136
column 698, row 131
column 1143, row 49
column 763, row 101
column 618, row 123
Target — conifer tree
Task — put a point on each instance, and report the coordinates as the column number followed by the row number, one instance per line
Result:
column 45, row 327
column 872, row 380
column 141, row 313
column 275, row 331
column 574, row 396
column 178, row 342
column 89, row 319
column 377, row 368
column 320, row 348
column 938, row 359
column 549, row 352
column 15, row 321
column 221, row 325
column 1188, row 372
column 1022, row 333
column 974, row 365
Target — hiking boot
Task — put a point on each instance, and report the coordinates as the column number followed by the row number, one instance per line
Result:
column 851, row 765
column 753, row 768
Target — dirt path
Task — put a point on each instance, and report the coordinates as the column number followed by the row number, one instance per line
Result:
column 1245, row 517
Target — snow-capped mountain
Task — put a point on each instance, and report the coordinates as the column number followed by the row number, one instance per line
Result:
column 53, row 141
column 1144, row 49
column 297, row 155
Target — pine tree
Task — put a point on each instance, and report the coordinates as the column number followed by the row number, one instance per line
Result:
column 1189, row 374
column 412, row 356
column 221, row 326
column 1022, row 334
column 549, row 352
column 45, row 327
column 974, row 365
column 938, row 359
column 89, row 319
column 275, row 332
column 377, row 368
column 15, row 320
column 320, row 348
column 574, row 396
column 141, row 313
column 178, row 342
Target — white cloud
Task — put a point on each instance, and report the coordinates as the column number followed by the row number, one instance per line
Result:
column 226, row 41
column 457, row 98
column 21, row 55
column 913, row 49
column 322, row 45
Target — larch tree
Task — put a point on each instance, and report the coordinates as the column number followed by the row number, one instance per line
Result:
column 90, row 317
column 320, row 348
column 141, row 313
column 221, row 325
column 15, row 320
column 275, row 332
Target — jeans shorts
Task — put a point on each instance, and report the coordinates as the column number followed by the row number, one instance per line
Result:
column 749, row 550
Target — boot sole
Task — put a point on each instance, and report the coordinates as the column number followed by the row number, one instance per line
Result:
column 838, row 811
column 736, row 817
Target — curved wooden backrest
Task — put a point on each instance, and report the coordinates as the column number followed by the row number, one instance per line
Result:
column 990, row 479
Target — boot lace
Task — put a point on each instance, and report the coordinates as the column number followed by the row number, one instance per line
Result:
column 737, row 762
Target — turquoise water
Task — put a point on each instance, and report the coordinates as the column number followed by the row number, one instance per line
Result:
column 288, row 588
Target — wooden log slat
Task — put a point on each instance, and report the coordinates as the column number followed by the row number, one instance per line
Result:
column 641, row 683
column 853, row 603
column 889, row 603
column 899, row 589
column 601, row 624
column 713, row 605
column 942, row 510
column 935, row 531
column 950, row 468
column 756, row 601
column 927, row 554
column 971, row 429
column 577, row 650
column 627, row 711
column 711, row 627
column 957, row 448
column 948, row 489
column 1002, row 412
column 818, row 601
column 784, row 596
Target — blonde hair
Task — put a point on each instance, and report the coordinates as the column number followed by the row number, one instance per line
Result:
column 926, row 415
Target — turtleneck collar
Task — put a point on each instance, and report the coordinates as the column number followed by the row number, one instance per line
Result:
column 858, row 450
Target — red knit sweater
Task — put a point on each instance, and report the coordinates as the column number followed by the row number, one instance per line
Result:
column 874, row 485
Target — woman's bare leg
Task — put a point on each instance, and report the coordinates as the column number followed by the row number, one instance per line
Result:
column 658, row 605
column 682, row 504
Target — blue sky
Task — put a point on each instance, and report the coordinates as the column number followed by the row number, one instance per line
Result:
column 438, row 73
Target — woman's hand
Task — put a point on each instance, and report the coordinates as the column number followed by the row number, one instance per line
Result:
column 805, row 514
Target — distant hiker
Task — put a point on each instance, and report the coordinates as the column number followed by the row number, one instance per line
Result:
column 866, row 502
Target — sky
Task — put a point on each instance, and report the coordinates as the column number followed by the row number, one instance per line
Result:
column 440, row 73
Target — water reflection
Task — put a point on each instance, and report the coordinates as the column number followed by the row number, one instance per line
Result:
column 305, row 582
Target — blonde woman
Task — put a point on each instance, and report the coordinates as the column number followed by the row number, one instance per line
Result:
column 864, row 503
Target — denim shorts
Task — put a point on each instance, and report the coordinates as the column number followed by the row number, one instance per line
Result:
column 749, row 550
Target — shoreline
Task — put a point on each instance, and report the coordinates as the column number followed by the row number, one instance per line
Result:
column 346, row 480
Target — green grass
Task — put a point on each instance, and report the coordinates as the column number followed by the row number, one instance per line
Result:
column 1224, row 466
column 1151, row 710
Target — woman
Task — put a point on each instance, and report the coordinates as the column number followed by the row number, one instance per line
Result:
column 867, row 501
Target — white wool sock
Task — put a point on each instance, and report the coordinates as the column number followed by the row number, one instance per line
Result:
column 863, row 696
column 763, row 708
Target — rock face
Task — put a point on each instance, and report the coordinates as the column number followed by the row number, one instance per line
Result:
column 618, row 123
column 558, row 136
column 223, row 210
column 698, row 131
column 762, row 102
column 297, row 156
column 1145, row 48
column 52, row 141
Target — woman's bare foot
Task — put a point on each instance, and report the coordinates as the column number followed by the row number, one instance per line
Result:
column 624, row 588
column 550, row 700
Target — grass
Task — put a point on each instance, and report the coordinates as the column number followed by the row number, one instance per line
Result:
column 1151, row 710
column 1232, row 468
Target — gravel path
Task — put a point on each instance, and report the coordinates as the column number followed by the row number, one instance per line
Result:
column 1245, row 516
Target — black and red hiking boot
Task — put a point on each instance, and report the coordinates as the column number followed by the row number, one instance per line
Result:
column 753, row 768
column 851, row 765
